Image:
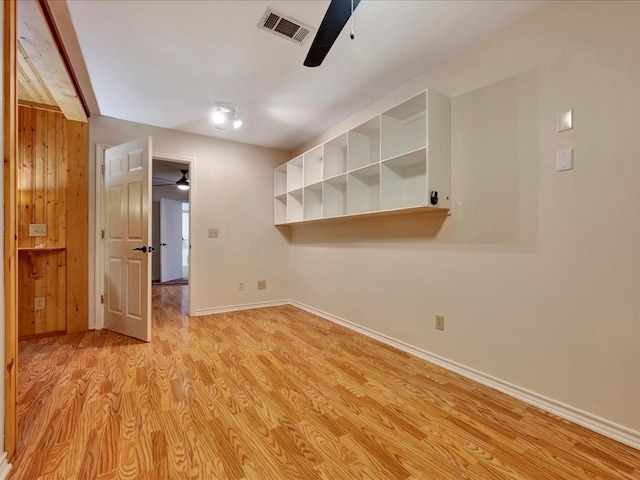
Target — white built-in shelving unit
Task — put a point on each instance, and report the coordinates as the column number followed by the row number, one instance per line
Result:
column 396, row 162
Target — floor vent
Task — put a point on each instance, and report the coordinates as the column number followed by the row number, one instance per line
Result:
column 285, row 27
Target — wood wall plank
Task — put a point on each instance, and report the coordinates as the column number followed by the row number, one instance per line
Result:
column 25, row 193
column 40, row 147
column 61, row 179
column 77, row 136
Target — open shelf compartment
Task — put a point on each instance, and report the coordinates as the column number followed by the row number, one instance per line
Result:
column 280, row 180
column 404, row 127
column 335, row 156
column 313, row 202
column 294, row 174
column 294, row 206
column 364, row 189
column 404, row 181
column 280, row 209
column 312, row 166
column 364, row 144
column 335, row 196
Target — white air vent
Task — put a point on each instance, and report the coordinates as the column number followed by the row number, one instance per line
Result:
column 286, row 27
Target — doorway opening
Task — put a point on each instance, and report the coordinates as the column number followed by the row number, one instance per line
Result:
column 170, row 222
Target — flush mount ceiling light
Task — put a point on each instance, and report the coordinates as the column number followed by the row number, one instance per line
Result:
column 183, row 183
column 224, row 116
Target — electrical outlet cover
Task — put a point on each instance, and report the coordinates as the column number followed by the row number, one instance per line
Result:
column 37, row 230
column 564, row 160
column 565, row 120
column 38, row 303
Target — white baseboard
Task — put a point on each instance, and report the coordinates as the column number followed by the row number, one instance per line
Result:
column 244, row 306
column 600, row 425
column 5, row 466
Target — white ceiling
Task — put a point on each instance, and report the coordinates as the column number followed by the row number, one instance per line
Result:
column 165, row 63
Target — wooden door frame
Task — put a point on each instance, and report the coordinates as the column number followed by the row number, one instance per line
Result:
column 10, row 104
column 99, row 215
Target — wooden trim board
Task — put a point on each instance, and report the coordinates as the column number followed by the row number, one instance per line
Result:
column 10, row 101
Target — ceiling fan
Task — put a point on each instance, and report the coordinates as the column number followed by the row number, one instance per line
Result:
column 334, row 20
column 182, row 184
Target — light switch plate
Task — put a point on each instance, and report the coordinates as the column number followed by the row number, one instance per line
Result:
column 564, row 160
column 37, row 230
column 565, row 120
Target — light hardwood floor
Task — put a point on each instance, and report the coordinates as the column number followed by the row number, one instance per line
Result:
column 273, row 394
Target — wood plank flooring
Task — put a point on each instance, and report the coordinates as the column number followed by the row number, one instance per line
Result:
column 278, row 393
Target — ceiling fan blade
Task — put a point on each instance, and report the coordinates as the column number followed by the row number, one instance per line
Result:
column 332, row 24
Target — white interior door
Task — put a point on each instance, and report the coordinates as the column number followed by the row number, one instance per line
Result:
column 170, row 239
column 127, row 260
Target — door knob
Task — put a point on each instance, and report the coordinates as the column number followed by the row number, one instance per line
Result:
column 141, row 249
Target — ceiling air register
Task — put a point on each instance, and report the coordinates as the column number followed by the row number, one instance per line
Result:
column 285, row 27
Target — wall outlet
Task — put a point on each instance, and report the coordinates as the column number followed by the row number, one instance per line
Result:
column 38, row 303
column 240, row 285
column 439, row 322
column 37, row 230
column 213, row 233
column 262, row 284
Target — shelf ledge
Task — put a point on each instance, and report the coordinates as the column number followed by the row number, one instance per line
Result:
column 419, row 209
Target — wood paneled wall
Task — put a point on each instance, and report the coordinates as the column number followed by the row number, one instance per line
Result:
column 52, row 189
column 42, row 177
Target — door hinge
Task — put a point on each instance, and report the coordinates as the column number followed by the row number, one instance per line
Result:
column 102, row 299
column 101, row 233
column 102, row 168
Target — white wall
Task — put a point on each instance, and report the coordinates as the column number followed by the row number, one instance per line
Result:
column 232, row 190
column 536, row 272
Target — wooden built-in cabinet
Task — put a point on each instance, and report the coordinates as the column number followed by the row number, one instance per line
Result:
column 52, row 190
column 397, row 162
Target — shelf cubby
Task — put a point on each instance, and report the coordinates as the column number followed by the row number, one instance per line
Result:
column 312, row 166
column 280, row 180
column 335, row 197
column 294, row 206
column 313, row 202
column 280, row 209
column 335, row 157
column 294, row 174
column 363, row 188
column 364, row 144
column 404, row 127
column 404, row 181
